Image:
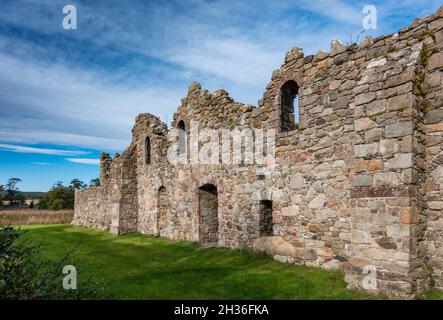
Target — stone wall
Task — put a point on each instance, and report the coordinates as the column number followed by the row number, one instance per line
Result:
column 357, row 181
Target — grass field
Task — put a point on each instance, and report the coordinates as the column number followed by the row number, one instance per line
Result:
column 34, row 216
column 135, row 266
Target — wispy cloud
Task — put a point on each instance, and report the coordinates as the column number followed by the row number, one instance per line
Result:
column 41, row 163
column 84, row 161
column 80, row 110
column 336, row 10
column 55, row 152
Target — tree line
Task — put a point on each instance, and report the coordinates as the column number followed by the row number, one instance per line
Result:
column 57, row 198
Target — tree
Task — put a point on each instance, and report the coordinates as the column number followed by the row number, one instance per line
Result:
column 94, row 182
column 20, row 199
column 77, row 184
column 59, row 197
column 11, row 189
column 58, row 184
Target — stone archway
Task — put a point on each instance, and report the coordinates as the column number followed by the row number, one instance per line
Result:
column 208, row 215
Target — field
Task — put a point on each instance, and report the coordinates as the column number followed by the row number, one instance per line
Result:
column 135, row 266
column 34, row 216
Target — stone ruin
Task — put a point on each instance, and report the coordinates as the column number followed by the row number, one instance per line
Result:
column 357, row 183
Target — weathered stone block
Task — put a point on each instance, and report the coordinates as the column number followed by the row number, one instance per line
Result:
column 434, row 116
column 360, row 165
column 309, row 254
column 400, row 161
column 365, row 150
column 389, row 146
column 341, row 103
column 362, row 180
column 399, row 129
column 336, row 47
column 386, row 178
column 364, row 98
column 436, row 61
column 297, row 181
column 386, row 243
column 435, row 205
column 439, row 38
column 358, row 236
column 364, row 124
column 325, row 252
column 374, row 134
column 341, row 58
column 318, row 202
column 409, row 215
column 376, row 107
column 401, row 78
column 375, row 165
column 376, row 63
column 275, row 246
column 320, row 55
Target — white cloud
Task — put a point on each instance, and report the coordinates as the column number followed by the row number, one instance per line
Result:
column 18, row 134
column 55, row 152
column 41, row 163
column 84, row 161
column 44, row 103
column 336, row 10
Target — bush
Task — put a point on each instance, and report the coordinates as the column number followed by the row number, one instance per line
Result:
column 58, row 198
column 24, row 275
column 61, row 197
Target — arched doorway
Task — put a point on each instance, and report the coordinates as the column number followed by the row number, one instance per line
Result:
column 208, row 215
column 265, row 220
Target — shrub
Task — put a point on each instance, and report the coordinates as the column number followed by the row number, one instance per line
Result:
column 58, row 198
column 24, row 275
column 61, row 197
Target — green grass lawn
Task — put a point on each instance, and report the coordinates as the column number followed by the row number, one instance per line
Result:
column 135, row 266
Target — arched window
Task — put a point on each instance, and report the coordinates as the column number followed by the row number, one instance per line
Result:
column 181, row 137
column 289, row 106
column 147, row 151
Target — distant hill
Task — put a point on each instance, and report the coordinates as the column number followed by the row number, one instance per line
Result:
column 27, row 194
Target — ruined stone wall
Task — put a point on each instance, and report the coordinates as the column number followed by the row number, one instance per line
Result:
column 178, row 185
column 430, row 90
column 113, row 205
column 357, row 184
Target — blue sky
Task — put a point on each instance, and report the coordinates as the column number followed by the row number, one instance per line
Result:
column 65, row 95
